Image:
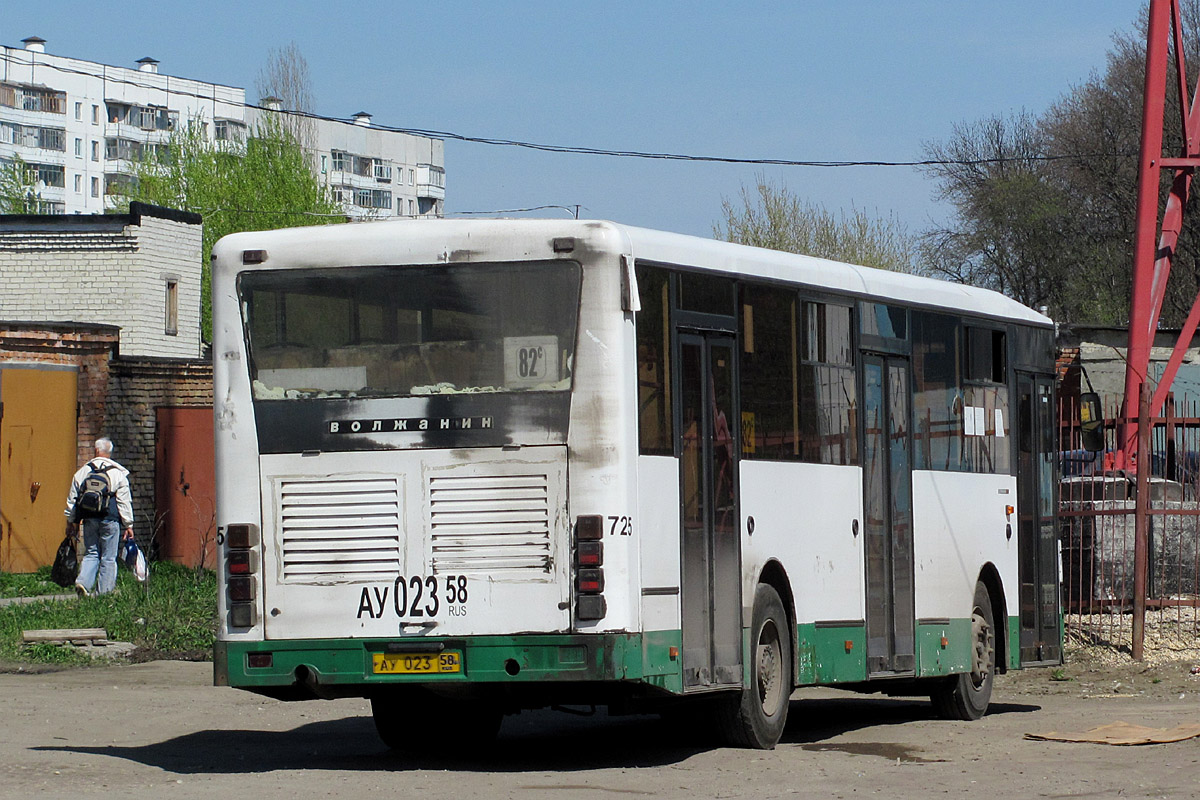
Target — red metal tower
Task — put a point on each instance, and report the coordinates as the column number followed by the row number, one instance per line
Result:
column 1151, row 263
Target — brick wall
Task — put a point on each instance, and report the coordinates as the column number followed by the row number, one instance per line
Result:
column 88, row 348
column 167, row 251
column 110, row 269
column 136, row 388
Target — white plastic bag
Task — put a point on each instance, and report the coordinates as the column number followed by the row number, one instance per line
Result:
column 132, row 557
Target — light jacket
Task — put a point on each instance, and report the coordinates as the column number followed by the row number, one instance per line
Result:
column 118, row 482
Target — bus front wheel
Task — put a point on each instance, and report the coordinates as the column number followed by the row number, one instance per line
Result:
column 756, row 717
column 966, row 696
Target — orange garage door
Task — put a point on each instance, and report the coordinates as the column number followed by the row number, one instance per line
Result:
column 37, row 459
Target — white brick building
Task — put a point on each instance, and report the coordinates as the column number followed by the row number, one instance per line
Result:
column 138, row 271
column 80, row 123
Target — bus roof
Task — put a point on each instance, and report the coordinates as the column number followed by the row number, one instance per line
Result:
column 433, row 240
column 822, row 273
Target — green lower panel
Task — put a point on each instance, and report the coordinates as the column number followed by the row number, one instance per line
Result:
column 944, row 648
column 830, row 654
column 599, row 657
column 1014, row 642
column 660, row 668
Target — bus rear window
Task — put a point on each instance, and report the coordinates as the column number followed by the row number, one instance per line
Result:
column 404, row 331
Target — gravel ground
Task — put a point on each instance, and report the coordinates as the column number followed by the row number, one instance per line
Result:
column 160, row 730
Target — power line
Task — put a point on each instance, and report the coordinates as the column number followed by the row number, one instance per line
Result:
column 569, row 209
column 580, row 149
column 270, row 211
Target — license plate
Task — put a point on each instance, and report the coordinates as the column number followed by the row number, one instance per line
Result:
column 416, row 663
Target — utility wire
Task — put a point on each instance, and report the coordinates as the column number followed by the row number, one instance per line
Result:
column 569, row 209
column 271, row 212
column 574, row 149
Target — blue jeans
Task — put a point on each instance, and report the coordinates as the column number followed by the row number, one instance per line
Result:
column 100, row 540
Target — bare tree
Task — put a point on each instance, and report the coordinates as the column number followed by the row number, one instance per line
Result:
column 771, row 216
column 285, row 78
column 1045, row 202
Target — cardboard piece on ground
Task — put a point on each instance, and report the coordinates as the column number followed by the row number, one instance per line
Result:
column 1122, row 733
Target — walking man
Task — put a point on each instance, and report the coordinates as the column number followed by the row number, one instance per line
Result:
column 99, row 502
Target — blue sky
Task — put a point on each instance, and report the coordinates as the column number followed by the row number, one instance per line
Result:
column 819, row 80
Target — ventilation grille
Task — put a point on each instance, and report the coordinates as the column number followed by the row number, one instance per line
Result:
column 487, row 524
column 340, row 528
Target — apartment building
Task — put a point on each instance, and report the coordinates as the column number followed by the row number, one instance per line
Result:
column 80, row 125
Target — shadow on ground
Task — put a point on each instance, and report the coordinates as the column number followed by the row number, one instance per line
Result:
column 530, row 742
column 819, row 719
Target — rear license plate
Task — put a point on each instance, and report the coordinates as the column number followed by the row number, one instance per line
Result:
column 416, row 663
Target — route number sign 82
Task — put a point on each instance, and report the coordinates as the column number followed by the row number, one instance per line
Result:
column 530, row 360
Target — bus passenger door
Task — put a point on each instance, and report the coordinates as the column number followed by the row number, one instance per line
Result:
column 887, row 506
column 711, row 553
column 1037, row 538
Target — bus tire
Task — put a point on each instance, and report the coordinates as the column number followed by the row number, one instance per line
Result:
column 755, row 718
column 966, row 696
column 416, row 721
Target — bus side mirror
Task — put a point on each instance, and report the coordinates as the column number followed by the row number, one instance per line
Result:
column 1091, row 422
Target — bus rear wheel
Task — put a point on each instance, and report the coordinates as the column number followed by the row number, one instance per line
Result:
column 756, row 718
column 966, row 696
column 417, row 721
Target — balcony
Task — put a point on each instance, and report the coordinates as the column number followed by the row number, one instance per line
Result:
column 431, row 182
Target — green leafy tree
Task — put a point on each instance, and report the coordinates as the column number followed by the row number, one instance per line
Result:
column 18, row 188
column 773, row 217
column 261, row 183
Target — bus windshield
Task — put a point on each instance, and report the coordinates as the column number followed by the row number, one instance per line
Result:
column 389, row 331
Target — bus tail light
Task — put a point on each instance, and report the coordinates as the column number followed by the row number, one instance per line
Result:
column 241, row 537
column 590, row 581
column 589, row 528
column 589, row 575
column 589, row 554
column 260, row 660
column 243, row 588
column 242, row 615
column 590, row 607
column 241, row 566
column 242, row 562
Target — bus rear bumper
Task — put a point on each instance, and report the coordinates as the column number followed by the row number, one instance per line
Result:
column 345, row 667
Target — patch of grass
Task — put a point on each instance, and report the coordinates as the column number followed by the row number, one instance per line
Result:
column 173, row 614
column 29, row 584
column 1059, row 674
column 47, row 653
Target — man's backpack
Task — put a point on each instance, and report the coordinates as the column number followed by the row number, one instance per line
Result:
column 95, row 491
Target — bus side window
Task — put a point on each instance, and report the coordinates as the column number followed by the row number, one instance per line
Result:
column 770, row 415
column 828, row 416
column 937, row 391
column 655, row 434
column 985, row 397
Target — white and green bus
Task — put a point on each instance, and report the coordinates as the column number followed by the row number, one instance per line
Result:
column 466, row 468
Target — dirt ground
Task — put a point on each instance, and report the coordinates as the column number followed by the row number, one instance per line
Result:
column 160, row 730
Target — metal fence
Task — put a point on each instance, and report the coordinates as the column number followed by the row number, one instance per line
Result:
column 1102, row 598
